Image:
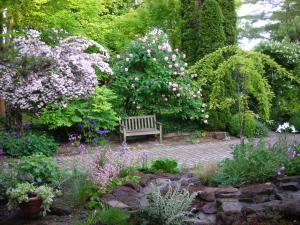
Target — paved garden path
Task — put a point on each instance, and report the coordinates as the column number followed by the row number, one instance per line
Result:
column 212, row 151
column 188, row 155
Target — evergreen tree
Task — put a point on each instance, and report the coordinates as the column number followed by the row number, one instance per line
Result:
column 190, row 15
column 230, row 19
column 211, row 34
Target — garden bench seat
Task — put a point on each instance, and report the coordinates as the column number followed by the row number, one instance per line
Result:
column 140, row 126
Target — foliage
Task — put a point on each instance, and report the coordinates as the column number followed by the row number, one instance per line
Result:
column 225, row 71
column 39, row 169
column 170, row 209
column 108, row 164
column 211, row 33
column 253, row 128
column 150, row 78
column 230, row 20
column 97, row 108
column 17, row 145
column 190, row 15
column 287, row 92
column 295, row 120
column 42, row 75
column 7, row 180
column 193, row 138
column 249, row 164
column 292, row 166
column 261, row 129
column 205, row 171
column 165, row 166
column 249, row 129
column 107, row 216
column 23, row 191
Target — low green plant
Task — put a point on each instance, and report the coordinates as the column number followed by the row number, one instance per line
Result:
column 7, row 180
column 292, row 165
column 205, row 172
column 117, row 182
column 23, row 191
column 249, row 164
column 170, row 209
column 249, row 129
column 17, row 145
column 39, row 169
column 261, row 130
column 165, row 166
column 195, row 135
column 107, row 216
column 295, row 120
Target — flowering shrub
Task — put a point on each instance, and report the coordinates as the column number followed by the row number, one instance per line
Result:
column 110, row 163
column 41, row 74
column 150, row 77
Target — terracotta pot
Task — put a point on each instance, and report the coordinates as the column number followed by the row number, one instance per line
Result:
column 31, row 208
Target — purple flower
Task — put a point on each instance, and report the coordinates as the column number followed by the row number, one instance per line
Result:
column 94, row 123
column 80, row 126
column 82, row 148
column 103, row 132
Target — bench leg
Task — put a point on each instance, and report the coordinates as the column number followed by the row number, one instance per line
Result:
column 124, row 138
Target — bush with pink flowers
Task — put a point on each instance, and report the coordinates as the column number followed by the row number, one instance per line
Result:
column 43, row 75
column 150, row 77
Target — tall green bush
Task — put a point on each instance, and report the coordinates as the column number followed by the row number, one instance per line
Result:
column 190, row 25
column 211, row 33
column 230, row 20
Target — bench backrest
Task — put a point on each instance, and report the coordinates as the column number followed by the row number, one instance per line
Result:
column 139, row 122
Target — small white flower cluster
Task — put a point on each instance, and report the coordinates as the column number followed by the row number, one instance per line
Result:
column 286, row 127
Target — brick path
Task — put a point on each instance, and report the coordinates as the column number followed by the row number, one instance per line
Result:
column 209, row 151
column 204, row 153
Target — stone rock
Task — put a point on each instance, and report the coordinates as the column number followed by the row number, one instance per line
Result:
column 126, row 195
column 257, row 193
column 290, row 208
column 220, row 135
column 207, row 195
column 210, row 208
column 117, row 204
column 290, row 186
column 288, row 179
column 196, row 188
column 60, row 208
column 260, row 207
column 145, row 179
column 204, row 219
column 228, row 218
column 229, row 192
column 132, row 185
column 229, row 205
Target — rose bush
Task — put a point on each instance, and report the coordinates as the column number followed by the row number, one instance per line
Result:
column 150, row 77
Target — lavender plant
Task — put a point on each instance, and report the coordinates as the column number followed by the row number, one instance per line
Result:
column 170, row 209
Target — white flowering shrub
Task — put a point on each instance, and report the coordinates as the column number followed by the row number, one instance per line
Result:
column 42, row 74
column 151, row 77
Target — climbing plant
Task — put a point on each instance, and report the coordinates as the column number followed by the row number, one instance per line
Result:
column 223, row 71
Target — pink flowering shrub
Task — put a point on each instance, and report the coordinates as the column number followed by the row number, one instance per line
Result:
column 42, row 74
column 151, row 77
column 109, row 164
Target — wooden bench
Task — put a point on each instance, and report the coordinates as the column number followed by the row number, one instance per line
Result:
column 140, row 125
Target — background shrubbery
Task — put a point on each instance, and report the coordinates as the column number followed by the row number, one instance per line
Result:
column 16, row 144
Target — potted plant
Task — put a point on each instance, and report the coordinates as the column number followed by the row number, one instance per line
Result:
column 31, row 199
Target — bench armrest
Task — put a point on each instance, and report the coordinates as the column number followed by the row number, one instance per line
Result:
column 122, row 127
column 159, row 123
